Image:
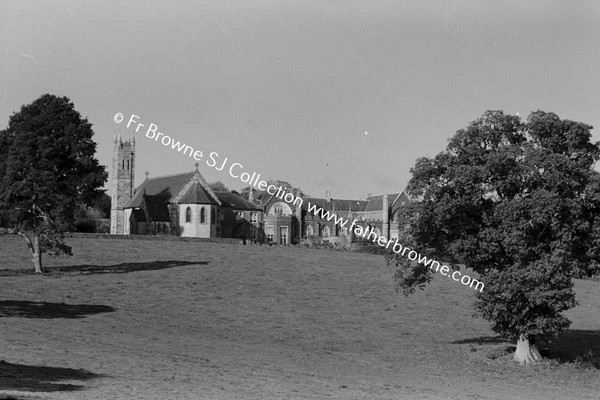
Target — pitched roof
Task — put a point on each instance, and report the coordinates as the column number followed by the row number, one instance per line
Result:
column 196, row 194
column 401, row 200
column 376, row 202
column 236, row 202
column 157, row 208
column 335, row 204
column 262, row 195
column 163, row 186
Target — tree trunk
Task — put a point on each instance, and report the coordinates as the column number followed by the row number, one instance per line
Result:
column 34, row 248
column 527, row 352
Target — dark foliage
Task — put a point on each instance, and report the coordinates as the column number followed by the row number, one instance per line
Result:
column 517, row 203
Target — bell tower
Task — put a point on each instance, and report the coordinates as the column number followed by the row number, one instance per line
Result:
column 122, row 183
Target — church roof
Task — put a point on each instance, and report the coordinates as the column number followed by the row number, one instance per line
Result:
column 236, row 202
column 163, row 186
column 157, row 208
column 196, row 194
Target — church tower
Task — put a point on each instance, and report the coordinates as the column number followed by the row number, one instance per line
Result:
column 122, row 183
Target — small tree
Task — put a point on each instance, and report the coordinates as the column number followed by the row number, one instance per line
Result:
column 47, row 168
column 513, row 202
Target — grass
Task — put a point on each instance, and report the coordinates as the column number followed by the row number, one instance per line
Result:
column 156, row 320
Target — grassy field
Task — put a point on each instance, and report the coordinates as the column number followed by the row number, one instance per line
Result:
column 170, row 320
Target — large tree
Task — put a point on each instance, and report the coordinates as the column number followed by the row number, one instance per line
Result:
column 515, row 202
column 47, row 168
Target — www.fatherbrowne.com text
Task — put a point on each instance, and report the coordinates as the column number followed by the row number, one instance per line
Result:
column 236, row 170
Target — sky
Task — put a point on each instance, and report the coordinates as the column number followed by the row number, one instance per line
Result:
column 329, row 95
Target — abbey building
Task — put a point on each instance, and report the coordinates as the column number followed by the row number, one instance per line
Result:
column 185, row 205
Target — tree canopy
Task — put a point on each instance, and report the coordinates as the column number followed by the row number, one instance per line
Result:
column 218, row 186
column 47, row 168
column 515, row 202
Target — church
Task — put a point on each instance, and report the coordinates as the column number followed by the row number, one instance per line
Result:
column 185, row 205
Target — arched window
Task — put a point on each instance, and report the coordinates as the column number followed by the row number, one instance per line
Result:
column 325, row 232
column 280, row 209
column 188, row 215
column 123, row 167
column 127, row 165
column 309, row 231
column 202, row 215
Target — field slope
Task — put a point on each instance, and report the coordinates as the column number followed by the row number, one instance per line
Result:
column 168, row 320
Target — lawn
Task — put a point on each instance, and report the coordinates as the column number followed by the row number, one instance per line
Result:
column 126, row 319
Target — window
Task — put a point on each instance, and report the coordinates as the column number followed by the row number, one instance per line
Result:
column 239, row 215
column 188, row 215
column 325, row 232
column 253, row 233
column 309, row 231
column 269, row 231
column 280, row 209
column 283, row 235
column 202, row 215
column 123, row 166
column 254, row 217
column 127, row 165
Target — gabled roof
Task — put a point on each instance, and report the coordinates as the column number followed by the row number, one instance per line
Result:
column 346, row 205
column 163, row 186
column 263, row 196
column 156, row 206
column 376, row 202
column 401, row 200
column 196, row 194
column 236, row 202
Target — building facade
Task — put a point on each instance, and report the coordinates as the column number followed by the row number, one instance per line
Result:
column 176, row 205
column 185, row 205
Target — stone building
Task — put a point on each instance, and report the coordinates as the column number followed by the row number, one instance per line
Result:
column 284, row 224
column 178, row 205
column 185, row 205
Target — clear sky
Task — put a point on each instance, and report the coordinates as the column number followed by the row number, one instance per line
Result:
column 288, row 88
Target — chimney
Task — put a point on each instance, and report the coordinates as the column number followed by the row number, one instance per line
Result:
column 385, row 214
column 251, row 195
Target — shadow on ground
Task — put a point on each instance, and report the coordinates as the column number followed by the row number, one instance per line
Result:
column 38, row 309
column 581, row 347
column 577, row 345
column 483, row 340
column 122, row 268
column 34, row 378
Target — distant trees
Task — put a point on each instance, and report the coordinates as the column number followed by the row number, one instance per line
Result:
column 47, row 168
column 218, row 186
column 519, row 204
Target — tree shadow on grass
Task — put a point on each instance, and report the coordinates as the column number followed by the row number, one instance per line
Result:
column 38, row 309
column 85, row 269
column 581, row 347
column 35, row 378
column 577, row 345
column 483, row 340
